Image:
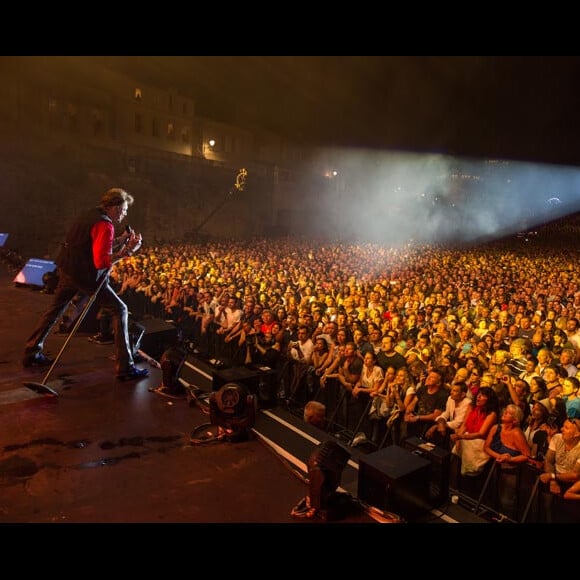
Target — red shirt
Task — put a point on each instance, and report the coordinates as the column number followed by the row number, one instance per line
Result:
column 103, row 233
column 475, row 420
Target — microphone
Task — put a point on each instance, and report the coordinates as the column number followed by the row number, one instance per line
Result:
column 129, row 232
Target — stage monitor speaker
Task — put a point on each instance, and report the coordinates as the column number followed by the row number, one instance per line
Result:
column 153, row 336
column 33, row 272
column 260, row 381
column 395, row 480
column 440, row 460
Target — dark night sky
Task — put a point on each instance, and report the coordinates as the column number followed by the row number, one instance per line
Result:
column 516, row 107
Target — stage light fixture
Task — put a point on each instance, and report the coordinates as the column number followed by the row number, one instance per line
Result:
column 233, row 409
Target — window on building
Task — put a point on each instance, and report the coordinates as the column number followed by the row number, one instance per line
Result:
column 155, row 127
column 185, row 136
column 138, row 94
column 170, row 130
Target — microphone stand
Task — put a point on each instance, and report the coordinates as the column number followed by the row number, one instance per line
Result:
column 238, row 186
column 42, row 388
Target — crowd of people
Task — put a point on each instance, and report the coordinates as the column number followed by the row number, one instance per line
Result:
column 474, row 348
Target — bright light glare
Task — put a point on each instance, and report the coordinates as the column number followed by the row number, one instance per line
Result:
column 392, row 197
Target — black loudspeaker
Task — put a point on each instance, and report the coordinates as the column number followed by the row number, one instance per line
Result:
column 33, row 272
column 395, row 480
column 260, row 383
column 440, row 460
column 153, row 336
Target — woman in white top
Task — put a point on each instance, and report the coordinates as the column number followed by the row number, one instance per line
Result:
column 371, row 377
column 397, row 391
column 370, row 380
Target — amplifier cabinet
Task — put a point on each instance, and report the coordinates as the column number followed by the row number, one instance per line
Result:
column 440, row 460
column 396, row 480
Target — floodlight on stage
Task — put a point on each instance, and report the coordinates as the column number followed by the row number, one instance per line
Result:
column 233, row 409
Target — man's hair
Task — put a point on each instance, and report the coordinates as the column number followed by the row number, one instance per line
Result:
column 315, row 414
column 461, row 384
column 522, row 344
column 116, row 196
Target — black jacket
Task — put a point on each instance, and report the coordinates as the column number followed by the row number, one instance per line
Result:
column 75, row 258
